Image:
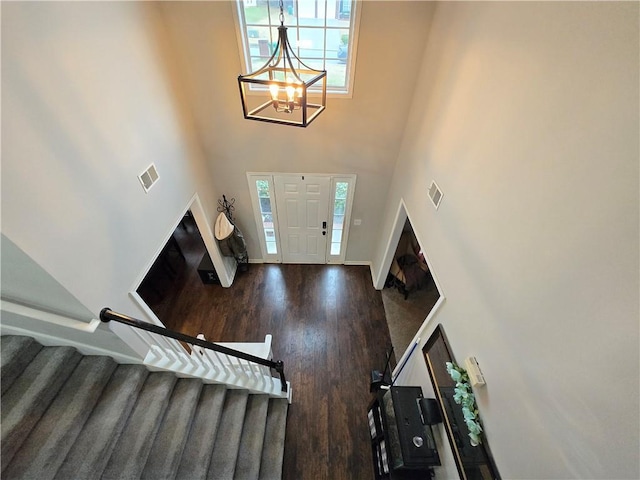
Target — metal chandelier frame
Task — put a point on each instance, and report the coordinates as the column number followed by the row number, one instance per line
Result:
column 284, row 84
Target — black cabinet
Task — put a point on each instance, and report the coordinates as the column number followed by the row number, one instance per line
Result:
column 207, row 271
column 402, row 444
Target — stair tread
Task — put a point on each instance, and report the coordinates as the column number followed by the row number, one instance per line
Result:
column 273, row 448
column 132, row 449
column 16, row 352
column 252, row 438
column 91, row 451
column 164, row 459
column 197, row 452
column 65, row 415
column 50, row 440
column 225, row 449
column 31, row 394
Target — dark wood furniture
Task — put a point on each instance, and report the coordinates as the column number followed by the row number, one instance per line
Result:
column 402, row 442
column 207, row 271
column 409, row 270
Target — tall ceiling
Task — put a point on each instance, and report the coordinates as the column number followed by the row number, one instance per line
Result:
column 358, row 135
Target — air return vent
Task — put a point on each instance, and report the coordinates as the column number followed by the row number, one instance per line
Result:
column 149, row 177
column 435, row 194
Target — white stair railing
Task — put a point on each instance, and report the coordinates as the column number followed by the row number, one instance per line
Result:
column 237, row 365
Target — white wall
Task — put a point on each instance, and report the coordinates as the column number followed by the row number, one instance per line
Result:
column 527, row 117
column 359, row 135
column 93, row 92
column 90, row 99
column 26, row 283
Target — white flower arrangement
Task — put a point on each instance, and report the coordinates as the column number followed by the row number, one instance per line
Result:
column 464, row 396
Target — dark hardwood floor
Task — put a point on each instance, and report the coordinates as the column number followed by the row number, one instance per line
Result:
column 329, row 328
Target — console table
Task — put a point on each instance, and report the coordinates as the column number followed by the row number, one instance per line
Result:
column 402, row 442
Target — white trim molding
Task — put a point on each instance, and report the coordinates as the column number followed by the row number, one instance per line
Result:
column 43, row 316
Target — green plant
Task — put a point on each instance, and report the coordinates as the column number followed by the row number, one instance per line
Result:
column 464, row 396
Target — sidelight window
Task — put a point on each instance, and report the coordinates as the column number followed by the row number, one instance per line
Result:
column 342, row 193
column 339, row 207
column 266, row 213
column 264, row 210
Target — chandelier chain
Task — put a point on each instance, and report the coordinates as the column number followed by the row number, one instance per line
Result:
column 281, row 12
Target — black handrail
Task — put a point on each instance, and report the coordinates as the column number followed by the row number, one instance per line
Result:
column 106, row 315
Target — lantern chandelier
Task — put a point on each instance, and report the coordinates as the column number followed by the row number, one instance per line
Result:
column 286, row 89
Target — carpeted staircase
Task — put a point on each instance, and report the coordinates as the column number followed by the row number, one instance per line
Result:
column 68, row 416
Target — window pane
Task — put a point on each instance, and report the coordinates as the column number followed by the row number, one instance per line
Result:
column 265, row 205
column 274, row 11
column 337, row 41
column 338, row 23
column 341, row 189
column 318, row 31
column 311, row 43
column 336, row 74
column 256, row 14
column 311, row 12
column 339, row 208
column 261, row 44
column 344, row 10
column 262, row 187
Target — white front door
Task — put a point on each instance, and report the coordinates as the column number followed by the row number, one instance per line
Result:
column 303, row 212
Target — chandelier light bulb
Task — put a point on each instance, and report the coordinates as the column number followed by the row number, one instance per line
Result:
column 290, row 93
column 273, row 88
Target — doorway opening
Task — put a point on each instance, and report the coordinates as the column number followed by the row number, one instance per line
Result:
column 410, row 290
column 181, row 270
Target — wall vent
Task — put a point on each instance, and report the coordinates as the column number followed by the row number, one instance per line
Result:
column 435, row 194
column 149, row 177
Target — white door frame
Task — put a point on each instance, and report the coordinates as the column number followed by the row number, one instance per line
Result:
column 330, row 259
column 392, row 245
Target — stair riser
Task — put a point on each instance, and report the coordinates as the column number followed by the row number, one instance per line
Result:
column 50, row 441
column 95, row 443
column 31, row 394
column 66, row 416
